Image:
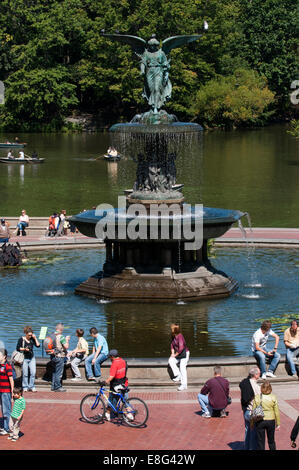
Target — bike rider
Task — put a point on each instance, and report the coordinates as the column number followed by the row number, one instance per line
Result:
column 117, row 378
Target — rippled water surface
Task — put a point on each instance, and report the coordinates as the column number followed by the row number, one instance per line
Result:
column 253, row 170
column 42, row 293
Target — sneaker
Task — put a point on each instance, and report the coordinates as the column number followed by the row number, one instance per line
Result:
column 130, row 416
column 270, row 374
column 264, row 376
column 32, row 390
column 3, row 432
column 14, row 439
column 10, row 436
column 91, row 379
column 182, row 387
column 177, row 378
column 223, row 414
column 25, row 389
column 107, row 416
column 206, row 415
column 59, row 390
column 76, row 379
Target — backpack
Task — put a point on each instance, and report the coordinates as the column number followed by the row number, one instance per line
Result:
column 14, row 374
column 50, row 344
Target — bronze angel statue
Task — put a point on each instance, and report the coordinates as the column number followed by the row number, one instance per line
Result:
column 154, row 64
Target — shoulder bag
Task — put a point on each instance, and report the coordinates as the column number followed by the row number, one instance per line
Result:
column 17, row 357
column 257, row 413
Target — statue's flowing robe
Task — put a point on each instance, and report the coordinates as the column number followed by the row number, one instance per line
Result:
column 157, row 86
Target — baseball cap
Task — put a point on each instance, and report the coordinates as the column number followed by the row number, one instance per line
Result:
column 113, row 352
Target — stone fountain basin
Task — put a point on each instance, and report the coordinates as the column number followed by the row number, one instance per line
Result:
column 216, row 221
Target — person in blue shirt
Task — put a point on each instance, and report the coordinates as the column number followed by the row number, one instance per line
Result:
column 97, row 357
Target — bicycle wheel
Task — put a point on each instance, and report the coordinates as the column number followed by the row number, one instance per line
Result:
column 135, row 412
column 92, row 408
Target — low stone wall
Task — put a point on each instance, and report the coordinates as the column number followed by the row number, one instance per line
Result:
column 153, row 372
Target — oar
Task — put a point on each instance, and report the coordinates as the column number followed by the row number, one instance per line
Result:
column 28, row 157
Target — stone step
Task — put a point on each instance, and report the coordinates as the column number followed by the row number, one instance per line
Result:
column 159, row 383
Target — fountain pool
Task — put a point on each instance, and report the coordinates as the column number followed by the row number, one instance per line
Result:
column 268, row 288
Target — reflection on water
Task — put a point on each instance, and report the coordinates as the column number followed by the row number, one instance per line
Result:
column 41, row 293
column 248, row 170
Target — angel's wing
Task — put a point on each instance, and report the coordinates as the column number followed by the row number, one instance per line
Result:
column 137, row 44
column 178, row 41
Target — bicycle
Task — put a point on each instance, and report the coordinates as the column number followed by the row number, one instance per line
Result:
column 133, row 411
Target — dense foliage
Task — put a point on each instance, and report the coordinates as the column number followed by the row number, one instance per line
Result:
column 55, row 62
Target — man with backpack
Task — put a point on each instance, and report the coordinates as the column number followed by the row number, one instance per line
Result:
column 117, row 378
column 6, row 388
column 57, row 346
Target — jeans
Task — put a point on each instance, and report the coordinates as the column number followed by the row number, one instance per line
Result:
column 204, row 403
column 250, row 441
column 291, row 354
column 21, row 226
column 261, row 358
column 58, row 366
column 5, row 400
column 97, row 365
column 29, row 365
column 262, row 427
column 182, row 369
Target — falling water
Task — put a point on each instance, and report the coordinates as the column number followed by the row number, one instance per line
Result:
column 253, row 283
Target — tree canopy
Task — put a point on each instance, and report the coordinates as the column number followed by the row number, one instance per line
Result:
column 54, row 60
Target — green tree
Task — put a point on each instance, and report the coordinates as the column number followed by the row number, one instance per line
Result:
column 239, row 99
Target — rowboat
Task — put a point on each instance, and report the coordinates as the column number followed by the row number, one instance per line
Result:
column 21, row 160
column 112, row 158
column 12, row 145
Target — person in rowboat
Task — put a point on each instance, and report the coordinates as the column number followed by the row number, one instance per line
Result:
column 21, row 155
column 10, row 155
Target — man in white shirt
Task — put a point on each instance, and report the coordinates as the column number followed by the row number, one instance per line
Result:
column 259, row 341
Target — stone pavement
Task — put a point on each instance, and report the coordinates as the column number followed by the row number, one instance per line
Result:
column 52, row 421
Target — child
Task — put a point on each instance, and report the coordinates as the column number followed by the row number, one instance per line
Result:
column 16, row 414
column 78, row 354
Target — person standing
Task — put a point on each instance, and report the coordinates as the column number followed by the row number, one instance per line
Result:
column 179, row 358
column 214, row 395
column 23, row 223
column 58, row 355
column 16, row 414
column 271, row 419
column 294, row 433
column 249, row 388
column 291, row 341
column 97, row 357
column 78, row 354
column 25, row 345
column 258, row 346
column 6, row 388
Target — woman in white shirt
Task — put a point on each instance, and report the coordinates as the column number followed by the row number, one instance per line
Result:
column 23, row 223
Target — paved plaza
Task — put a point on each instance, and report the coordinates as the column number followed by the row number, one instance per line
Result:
column 52, row 421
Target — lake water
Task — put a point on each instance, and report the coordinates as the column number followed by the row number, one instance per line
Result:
column 42, row 293
column 255, row 171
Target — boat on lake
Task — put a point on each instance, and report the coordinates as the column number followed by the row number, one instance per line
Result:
column 22, row 160
column 12, row 145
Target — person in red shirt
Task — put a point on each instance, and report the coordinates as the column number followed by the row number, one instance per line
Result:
column 117, row 377
column 6, row 388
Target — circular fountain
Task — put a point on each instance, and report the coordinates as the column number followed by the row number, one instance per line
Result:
column 156, row 243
